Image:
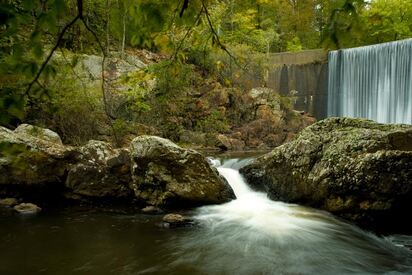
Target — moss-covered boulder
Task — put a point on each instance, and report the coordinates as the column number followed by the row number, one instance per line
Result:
column 167, row 175
column 32, row 155
column 355, row 168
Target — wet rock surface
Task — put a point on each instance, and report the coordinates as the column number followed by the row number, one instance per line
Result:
column 27, row 208
column 177, row 220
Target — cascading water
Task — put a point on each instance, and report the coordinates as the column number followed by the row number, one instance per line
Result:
column 249, row 235
column 373, row 82
column 254, row 235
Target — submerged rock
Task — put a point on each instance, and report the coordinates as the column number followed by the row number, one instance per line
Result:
column 27, row 208
column 176, row 220
column 165, row 174
column 355, row 168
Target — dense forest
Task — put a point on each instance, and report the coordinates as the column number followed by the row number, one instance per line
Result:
column 187, row 45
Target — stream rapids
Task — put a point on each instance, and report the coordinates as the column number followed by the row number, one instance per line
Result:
column 249, row 235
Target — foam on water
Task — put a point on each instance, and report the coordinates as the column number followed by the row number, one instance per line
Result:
column 258, row 235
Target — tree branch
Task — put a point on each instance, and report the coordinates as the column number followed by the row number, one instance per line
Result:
column 187, row 34
column 106, row 110
column 44, row 64
column 216, row 36
column 184, row 7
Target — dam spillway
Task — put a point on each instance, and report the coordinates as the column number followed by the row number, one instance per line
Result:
column 373, row 82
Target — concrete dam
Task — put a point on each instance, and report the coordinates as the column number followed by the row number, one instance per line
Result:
column 373, row 82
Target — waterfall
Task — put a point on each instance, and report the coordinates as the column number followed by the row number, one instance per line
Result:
column 373, row 82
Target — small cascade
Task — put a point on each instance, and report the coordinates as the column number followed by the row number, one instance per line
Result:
column 373, row 82
column 255, row 235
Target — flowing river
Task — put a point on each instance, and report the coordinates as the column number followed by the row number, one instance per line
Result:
column 250, row 235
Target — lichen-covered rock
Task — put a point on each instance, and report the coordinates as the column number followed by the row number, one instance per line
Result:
column 38, row 132
column 101, row 172
column 165, row 174
column 355, row 168
column 32, row 155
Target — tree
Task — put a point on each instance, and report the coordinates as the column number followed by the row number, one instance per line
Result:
column 388, row 20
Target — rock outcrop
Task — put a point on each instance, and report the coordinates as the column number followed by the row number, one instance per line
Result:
column 355, row 168
column 273, row 121
column 153, row 171
column 232, row 119
column 165, row 174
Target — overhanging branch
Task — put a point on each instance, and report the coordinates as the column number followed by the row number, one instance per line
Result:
column 49, row 56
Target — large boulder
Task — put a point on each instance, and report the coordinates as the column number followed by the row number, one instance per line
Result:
column 101, row 172
column 167, row 175
column 355, row 168
column 32, row 155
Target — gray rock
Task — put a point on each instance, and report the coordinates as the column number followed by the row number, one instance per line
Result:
column 27, row 208
column 355, row 168
column 101, row 171
column 38, row 132
column 165, row 174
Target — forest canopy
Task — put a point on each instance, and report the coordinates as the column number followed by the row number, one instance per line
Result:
column 195, row 32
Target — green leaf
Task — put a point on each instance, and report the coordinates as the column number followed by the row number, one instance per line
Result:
column 37, row 51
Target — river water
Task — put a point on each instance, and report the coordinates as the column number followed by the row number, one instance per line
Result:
column 250, row 235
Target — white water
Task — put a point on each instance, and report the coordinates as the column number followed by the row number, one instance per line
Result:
column 254, row 235
column 373, row 82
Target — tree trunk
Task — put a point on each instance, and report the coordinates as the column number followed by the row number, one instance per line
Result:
column 107, row 26
column 124, row 31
